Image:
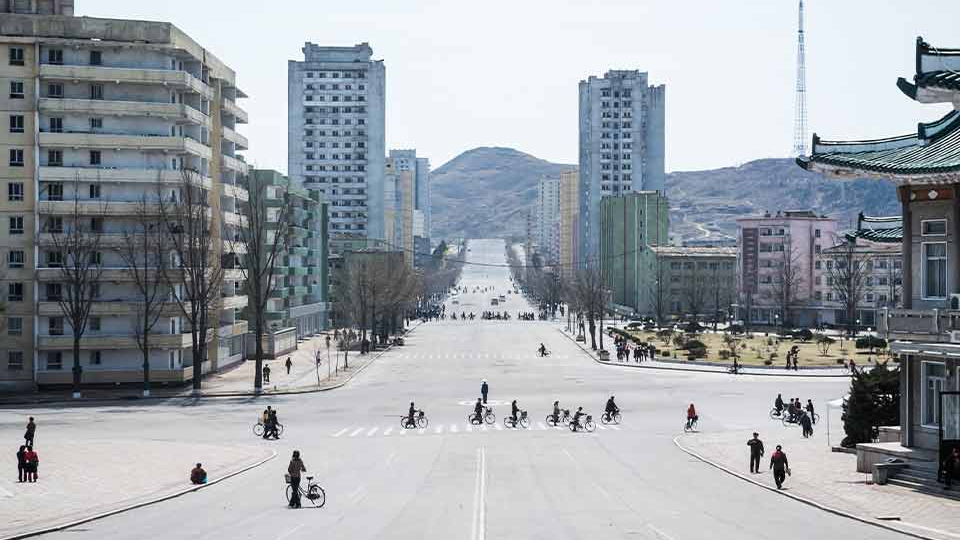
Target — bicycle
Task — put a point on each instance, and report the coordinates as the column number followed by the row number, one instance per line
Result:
column 313, row 493
column 419, row 422
column 522, row 421
column 607, row 418
column 691, row 425
column 259, row 427
column 588, row 425
column 488, row 417
column 777, row 414
column 563, row 419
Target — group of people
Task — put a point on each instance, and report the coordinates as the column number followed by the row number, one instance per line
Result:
column 792, row 356
column 640, row 351
column 271, row 426
column 27, row 459
column 529, row 316
column 797, row 412
column 778, row 460
column 495, row 316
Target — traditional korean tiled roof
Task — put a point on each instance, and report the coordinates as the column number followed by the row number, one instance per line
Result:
column 934, row 150
column 937, row 77
column 891, row 235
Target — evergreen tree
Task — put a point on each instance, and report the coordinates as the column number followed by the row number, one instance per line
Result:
column 874, row 401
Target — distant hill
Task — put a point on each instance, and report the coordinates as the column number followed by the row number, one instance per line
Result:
column 485, row 192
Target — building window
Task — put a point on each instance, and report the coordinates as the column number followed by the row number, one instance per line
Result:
column 934, row 377
column 53, row 224
column 15, row 259
column 96, row 91
column 55, row 360
column 55, row 90
column 16, row 224
column 16, row 123
column 16, row 89
column 935, row 270
column 14, row 360
column 55, row 56
column 96, row 58
column 934, row 227
column 55, row 158
column 55, row 192
column 95, row 324
column 54, row 292
column 95, row 358
column 95, row 157
column 14, row 292
column 56, row 125
column 96, row 123
column 816, row 233
column 16, row 157
column 14, row 326
column 55, row 326
column 16, row 56
column 96, row 225
column 15, row 191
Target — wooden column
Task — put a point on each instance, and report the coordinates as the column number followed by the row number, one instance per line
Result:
column 955, row 241
column 906, row 272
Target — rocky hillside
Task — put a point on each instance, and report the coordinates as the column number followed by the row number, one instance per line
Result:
column 485, row 192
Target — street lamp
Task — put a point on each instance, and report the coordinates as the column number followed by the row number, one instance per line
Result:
column 857, row 327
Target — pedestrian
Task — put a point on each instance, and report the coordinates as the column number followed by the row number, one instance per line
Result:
column 198, row 475
column 289, row 364
column 484, row 388
column 32, row 462
column 780, row 466
column 809, row 408
column 265, row 420
column 266, row 373
column 807, row 424
column 951, row 467
column 31, row 431
column 636, row 353
column 22, row 464
column 796, row 367
column 274, row 425
column 652, row 352
column 756, row 452
column 293, row 470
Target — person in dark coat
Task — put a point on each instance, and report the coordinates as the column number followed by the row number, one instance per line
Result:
column 198, row 475
column 951, row 467
column 266, row 373
column 780, row 466
column 806, row 423
column 483, row 391
column 756, row 452
column 32, row 462
column 22, row 464
column 289, row 364
column 31, row 431
column 294, row 469
column 809, row 409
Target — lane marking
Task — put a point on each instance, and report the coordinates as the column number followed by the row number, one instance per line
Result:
column 341, row 432
column 659, row 533
column 356, row 431
column 478, row 530
column 404, row 431
column 390, row 458
column 372, row 431
column 601, row 427
column 439, row 429
column 291, row 531
column 483, row 427
column 388, row 431
column 498, row 426
column 469, row 428
column 453, row 428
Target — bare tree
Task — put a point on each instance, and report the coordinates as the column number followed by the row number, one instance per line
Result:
column 195, row 272
column 787, row 280
column 847, row 269
column 142, row 250
column 894, row 275
column 76, row 253
column 658, row 287
column 265, row 238
column 591, row 299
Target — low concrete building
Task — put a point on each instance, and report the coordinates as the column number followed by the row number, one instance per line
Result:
column 691, row 281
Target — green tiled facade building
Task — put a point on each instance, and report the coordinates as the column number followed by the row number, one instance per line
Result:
column 629, row 225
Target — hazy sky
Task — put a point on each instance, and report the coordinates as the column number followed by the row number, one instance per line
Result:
column 505, row 73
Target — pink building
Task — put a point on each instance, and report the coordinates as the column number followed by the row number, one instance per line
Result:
column 776, row 261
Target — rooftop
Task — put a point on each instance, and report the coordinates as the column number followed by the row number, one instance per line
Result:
column 694, row 251
column 936, row 79
column 883, row 230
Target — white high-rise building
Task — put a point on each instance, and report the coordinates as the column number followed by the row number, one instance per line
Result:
column 407, row 160
column 548, row 219
column 335, row 140
column 621, row 145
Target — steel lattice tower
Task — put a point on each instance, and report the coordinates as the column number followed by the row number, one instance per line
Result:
column 800, row 107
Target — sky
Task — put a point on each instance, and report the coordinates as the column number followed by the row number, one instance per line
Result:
column 506, row 73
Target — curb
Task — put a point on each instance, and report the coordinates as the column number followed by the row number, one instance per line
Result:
column 212, row 395
column 692, row 369
column 150, row 502
column 804, row 500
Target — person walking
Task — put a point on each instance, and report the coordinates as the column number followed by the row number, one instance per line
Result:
column 294, row 469
column 806, row 423
column 198, row 475
column 809, row 408
column 951, row 467
column 22, row 464
column 756, row 452
column 31, row 431
column 32, row 462
column 266, row 373
column 484, row 388
column 289, row 364
column 780, row 466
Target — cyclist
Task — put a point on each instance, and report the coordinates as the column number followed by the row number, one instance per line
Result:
column 778, row 404
column 542, row 350
column 576, row 418
column 556, row 411
column 265, row 420
column 611, row 408
column 513, row 411
column 691, row 415
column 478, row 411
column 411, row 416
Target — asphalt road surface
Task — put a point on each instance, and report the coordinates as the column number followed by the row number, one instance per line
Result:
column 454, row 480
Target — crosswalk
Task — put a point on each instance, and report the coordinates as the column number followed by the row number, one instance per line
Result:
column 476, row 356
column 452, row 429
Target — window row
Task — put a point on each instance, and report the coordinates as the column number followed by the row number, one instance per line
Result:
column 312, row 156
column 617, row 125
column 335, row 168
column 615, row 135
column 334, row 98
column 606, row 92
column 334, row 133
column 321, row 144
column 336, row 110
column 337, row 74
column 311, row 86
column 334, row 121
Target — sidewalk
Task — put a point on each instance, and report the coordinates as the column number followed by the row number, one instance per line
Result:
column 829, row 479
column 75, row 481
column 708, row 367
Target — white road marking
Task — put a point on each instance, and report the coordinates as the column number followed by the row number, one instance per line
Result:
column 388, row 430
column 372, row 431
column 439, row 429
column 421, row 431
column 341, row 432
column 291, row 531
column 479, row 526
column 469, row 428
column 483, row 427
column 403, row 431
column 541, row 425
column 601, row 427
column 453, row 428
column 356, row 431
column 569, row 455
column 390, row 458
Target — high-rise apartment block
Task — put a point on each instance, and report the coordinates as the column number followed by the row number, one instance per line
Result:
column 569, row 214
column 399, row 194
column 548, row 219
column 407, row 160
column 335, row 139
column 98, row 114
column 621, row 145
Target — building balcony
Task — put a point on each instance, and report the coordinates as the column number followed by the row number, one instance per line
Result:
column 237, row 328
column 131, row 375
column 162, row 77
column 234, row 219
column 302, row 251
column 233, row 274
column 308, row 309
column 234, row 164
column 179, row 112
column 118, row 308
column 118, row 341
column 106, row 141
column 236, row 192
column 95, row 207
column 231, row 108
column 927, row 325
column 115, row 175
column 296, row 271
column 236, row 138
column 238, row 301
column 297, row 290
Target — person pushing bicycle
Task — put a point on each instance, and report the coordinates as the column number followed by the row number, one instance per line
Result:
column 478, row 410
column 411, row 417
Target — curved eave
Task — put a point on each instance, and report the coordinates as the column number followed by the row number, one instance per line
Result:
column 907, row 88
column 848, row 171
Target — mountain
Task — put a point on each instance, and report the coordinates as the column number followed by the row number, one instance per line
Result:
column 485, row 193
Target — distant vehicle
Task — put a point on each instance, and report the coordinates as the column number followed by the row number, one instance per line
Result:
column 455, row 302
column 503, row 298
column 493, row 301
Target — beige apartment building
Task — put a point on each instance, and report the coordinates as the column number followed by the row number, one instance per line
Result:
column 399, row 200
column 569, row 214
column 96, row 114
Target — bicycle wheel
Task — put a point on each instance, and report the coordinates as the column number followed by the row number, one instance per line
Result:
column 524, row 422
column 258, row 429
column 551, row 420
column 589, row 426
column 816, row 418
column 279, row 429
column 403, row 422
column 490, row 418
column 422, row 422
column 786, row 421
column 573, row 427
column 507, row 422
column 774, row 415
column 317, row 496
column 616, row 418
column 289, row 493
column 605, row 418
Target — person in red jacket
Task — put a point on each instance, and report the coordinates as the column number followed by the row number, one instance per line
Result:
column 32, row 462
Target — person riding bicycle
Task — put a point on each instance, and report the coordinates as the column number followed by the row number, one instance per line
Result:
column 691, row 415
column 542, row 350
column 576, row 418
column 272, row 426
column 778, row 404
column 793, row 410
column 265, row 420
column 556, row 411
column 513, row 411
column 611, row 408
column 411, row 416
column 478, row 411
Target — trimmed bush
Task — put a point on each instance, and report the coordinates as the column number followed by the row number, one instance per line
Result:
column 871, row 342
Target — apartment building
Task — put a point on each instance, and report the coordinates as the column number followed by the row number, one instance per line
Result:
column 98, row 114
column 691, row 281
column 569, row 213
column 547, row 226
column 399, row 201
column 621, row 144
column 335, row 139
column 777, row 266
column 407, row 160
